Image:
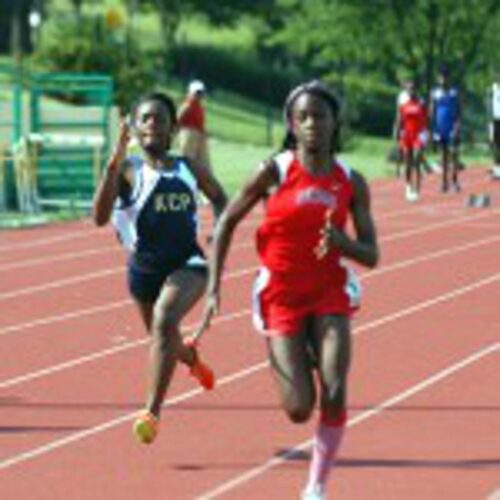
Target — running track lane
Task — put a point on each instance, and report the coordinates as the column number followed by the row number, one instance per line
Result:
column 33, row 336
column 188, row 469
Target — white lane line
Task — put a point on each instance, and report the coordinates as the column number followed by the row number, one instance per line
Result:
column 20, row 292
column 66, row 256
column 66, row 282
column 238, row 314
column 83, row 233
column 430, row 256
column 98, row 309
column 439, row 204
column 495, row 495
column 439, row 225
column 241, row 272
column 16, row 459
column 89, row 228
column 60, row 257
column 445, row 297
column 106, row 272
column 72, row 363
column 356, row 420
column 78, row 436
column 64, row 317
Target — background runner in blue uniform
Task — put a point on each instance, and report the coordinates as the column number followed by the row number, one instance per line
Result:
column 445, row 111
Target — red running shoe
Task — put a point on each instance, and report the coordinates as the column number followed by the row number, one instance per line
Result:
column 199, row 369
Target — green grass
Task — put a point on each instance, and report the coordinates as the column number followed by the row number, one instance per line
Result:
column 368, row 155
column 234, row 162
column 233, row 118
column 239, row 125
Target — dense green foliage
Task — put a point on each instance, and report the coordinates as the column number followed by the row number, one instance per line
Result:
column 85, row 45
column 362, row 48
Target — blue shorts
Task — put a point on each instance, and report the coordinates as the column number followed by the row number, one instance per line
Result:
column 445, row 137
column 145, row 281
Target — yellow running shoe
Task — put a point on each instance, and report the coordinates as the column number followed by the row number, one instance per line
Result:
column 199, row 369
column 146, row 427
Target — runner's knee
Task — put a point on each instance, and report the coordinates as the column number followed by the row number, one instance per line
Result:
column 165, row 321
column 299, row 415
column 299, row 411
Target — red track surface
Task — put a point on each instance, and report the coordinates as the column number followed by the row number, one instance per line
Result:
column 424, row 410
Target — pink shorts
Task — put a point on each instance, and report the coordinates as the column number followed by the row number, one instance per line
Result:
column 281, row 306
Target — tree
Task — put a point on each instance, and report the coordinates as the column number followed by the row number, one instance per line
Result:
column 387, row 37
column 14, row 27
column 221, row 12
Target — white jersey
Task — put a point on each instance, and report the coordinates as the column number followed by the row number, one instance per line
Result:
column 495, row 101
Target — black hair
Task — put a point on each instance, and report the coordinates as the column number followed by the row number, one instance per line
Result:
column 318, row 89
column 444, row 70
column 162, row 98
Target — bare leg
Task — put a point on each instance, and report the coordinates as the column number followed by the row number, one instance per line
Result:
column 455, row 160
column 418, row 170
column 179, row 294
column 146, row 313
column 186, row 355
column 332, row 336
column 445, row 162
column 292, row 370
column 495, row 148
column 399, row 160
column 496, row 142
column 408, row 168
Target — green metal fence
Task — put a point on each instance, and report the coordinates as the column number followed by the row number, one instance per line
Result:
column 54, row 132
column 11, row 129
column 69, row 130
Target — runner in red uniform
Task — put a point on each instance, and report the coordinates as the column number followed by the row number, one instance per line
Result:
column 286, row 243
column 304, row 294
column 410, row 129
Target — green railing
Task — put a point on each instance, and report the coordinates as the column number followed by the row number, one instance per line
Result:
column 54, row 132
column 69, row 125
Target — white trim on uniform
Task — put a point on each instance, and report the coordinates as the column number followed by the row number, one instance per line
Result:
column 261, row 281
column 345, row 167
column 124, row 217
column 196, row 261
column 495, row 101
column 352, row 286
column 283, row 161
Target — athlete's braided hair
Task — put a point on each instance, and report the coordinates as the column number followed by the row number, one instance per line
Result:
column 316, row 88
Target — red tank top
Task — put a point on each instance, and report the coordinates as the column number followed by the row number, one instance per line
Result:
column 192, row 115
column 295, row 214
column 414, row 117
